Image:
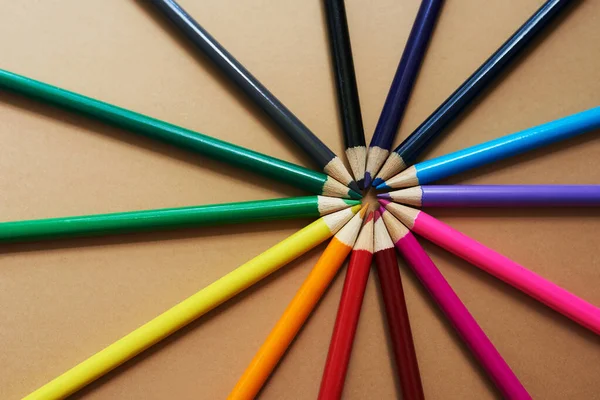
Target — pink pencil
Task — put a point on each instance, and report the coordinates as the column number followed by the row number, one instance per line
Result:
column 464, row 323
column 498, row 265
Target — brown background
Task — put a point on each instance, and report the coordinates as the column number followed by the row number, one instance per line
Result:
column 62, row 301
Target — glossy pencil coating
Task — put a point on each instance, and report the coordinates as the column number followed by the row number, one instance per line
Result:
column 496, row 150
column 408, row 151
column 454, row 309
column 347, row 91
column 297, row 312
column 194, row 307
column 314, row 182
column 397, row 313
column 402, row 84
column 346, row 322
column 498, row 265
column 170, row 218
column 497, row 196
column 257, row 92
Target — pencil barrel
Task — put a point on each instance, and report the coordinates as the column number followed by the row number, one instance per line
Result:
column 174, row 135
column 161, row 219
column 418, row 141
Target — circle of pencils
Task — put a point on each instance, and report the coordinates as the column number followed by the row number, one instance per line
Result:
column 338, row 210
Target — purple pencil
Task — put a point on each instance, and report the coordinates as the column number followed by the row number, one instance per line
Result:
column 399, row 93
column 451, row 305
column 497, row 196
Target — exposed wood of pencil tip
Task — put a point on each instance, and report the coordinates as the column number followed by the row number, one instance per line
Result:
column 406, row 215
column 412, row 196
column 338, row 219
column 382, row 240
column 406, row 178
column 392, row 166
column 357, row 158
column 376, row 156
column 337, row 170
column 327, row 205
column 394, row 227
column 347, row 235
column 365, row 238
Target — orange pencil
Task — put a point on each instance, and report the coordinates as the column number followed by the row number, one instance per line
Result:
column 298, row 311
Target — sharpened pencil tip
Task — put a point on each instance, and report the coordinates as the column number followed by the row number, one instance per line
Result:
column 381, row 210
column 382, row 186
column 355, row 208
column 364, row 209
column 376, row 215
column 361, row 183
column 367, row 180
column 383, row 202
column 370, row 216
column 354, row 186
column 354, row 195
column 351, row 202
column 384, row 196
column 377, row 182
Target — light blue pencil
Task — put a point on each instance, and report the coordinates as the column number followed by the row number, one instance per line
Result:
column 494, row 150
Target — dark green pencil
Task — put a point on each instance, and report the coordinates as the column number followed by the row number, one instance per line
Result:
column 170, row 218
column 311, row 181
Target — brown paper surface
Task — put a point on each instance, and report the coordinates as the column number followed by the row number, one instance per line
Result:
column 62, row 301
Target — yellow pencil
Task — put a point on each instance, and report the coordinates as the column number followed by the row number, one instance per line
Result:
column 298, row 310
column 194, row 307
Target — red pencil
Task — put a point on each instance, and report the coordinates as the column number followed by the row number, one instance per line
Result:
column 397, row 314
column 334, row 374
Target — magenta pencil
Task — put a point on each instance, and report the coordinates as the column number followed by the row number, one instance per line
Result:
column 498, row 265
column 454, row 309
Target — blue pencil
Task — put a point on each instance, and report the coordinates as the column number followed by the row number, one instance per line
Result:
column 399, row 93
column 495, row 150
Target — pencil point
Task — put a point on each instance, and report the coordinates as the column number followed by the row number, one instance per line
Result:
column 354, row 195
column 384, row 196
column 364, row 209
column 353, row 186
column 381, row 210
column 351, row 202
column 370, row 216
column 367, row 180
column 383, row 202
column 376, row 215
column 377, row 182
column 381, row 186
column 361, row 183
column 355, row 208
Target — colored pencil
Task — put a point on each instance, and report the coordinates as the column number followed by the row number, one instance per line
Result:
column 194, row 307
column 402, row 84
column 495, row 150
column 397, row 314
column 257, row 92
column 408, row 151
column 497, row 196
column 454, row 309
column 346, row 322
column 303, row 178
column 299, row 309
column 170, row 218
column 498, row 265
column 345, row 79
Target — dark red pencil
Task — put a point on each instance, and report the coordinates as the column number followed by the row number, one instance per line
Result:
column 334, row 374
column 397, row 314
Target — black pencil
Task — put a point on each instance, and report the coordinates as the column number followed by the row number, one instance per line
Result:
column 407, row 152
column 345, row 79
column 234, row 70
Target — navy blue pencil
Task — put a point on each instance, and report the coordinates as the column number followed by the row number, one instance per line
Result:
column 408, row 151
column 402, row 84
